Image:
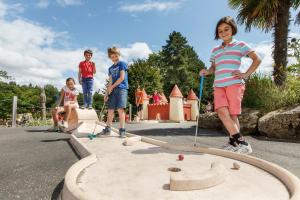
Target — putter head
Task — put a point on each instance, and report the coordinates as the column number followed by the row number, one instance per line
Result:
column 91, row 136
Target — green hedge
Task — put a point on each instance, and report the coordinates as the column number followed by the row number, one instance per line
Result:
column 262, row 94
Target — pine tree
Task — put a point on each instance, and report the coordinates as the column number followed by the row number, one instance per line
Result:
column 179, row 65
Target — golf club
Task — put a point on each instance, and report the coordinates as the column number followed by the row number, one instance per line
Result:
column 199, row 104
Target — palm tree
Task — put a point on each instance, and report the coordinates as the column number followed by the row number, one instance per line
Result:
column 269, row 15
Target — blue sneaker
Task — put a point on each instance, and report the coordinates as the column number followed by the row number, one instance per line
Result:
column 105, row 131
column 122, row 132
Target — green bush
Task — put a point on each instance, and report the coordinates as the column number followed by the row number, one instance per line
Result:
column 39, row 122
column 262, row 94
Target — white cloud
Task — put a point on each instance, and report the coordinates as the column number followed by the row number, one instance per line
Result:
column 264, row 50
column 29, row 53
column 14, row 9
column 69, row 2
column 46, row 3
column 150, row 5
column 3, row 9
column 43, row 3
column 134, row 51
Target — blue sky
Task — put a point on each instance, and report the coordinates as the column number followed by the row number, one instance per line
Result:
column 139, row 27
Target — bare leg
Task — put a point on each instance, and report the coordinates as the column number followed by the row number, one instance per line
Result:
column 236, row 120
column 110, row 117
column 68, row 111
column 54, row 116
column 226, row 119
column 142, row 115
column 121, row 117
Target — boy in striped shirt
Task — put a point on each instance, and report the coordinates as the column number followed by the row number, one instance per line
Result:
column 229, row 85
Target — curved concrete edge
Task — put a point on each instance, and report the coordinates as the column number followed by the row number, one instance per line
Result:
column 197, row 181
column 291, row 181
column 71, row 191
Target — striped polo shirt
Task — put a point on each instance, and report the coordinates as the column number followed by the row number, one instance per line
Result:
column 227, row 59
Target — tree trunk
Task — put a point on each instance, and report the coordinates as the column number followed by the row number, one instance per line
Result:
column 281, row 29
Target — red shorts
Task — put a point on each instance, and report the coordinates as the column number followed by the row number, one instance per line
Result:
column 229, row 96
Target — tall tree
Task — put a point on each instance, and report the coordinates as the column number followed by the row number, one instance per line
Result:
column 52, row 95
column 269, row 15
column 4, row 75
column 179, row 64
column 146, row 76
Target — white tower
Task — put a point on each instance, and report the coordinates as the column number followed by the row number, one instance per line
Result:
column 145, row 105
column 193, row 100
column 176, row 105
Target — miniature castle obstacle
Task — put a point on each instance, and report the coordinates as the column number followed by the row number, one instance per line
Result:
column 176, row 110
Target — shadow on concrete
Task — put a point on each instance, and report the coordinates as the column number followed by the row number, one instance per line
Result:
column 166, row 187
column 45, row 131
column 263, row 138
column 157, row 150
column 37, row 131
column 178, row 132
column 57, row 140
column 74, row 150
column 57, row 190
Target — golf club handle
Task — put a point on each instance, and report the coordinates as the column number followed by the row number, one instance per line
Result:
column 201, row 87
column 199, row 104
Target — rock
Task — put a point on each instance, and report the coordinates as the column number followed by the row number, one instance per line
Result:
column 210, row 121
column 132, row 140
column 236, row 166
column 249, row 120
column 282, row 124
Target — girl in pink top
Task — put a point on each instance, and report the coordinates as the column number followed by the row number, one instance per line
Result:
column 68, row 98
column 229, row 85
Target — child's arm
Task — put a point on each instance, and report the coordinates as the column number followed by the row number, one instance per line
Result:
column 136, row 99
column 211, row 70
column 107, row 89
column 79, row 75
column 109, row 82
column 122, row 77
column 256, row 61
column 61, row 97
column 94, row 68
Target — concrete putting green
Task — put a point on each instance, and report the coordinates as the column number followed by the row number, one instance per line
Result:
column 144, row 168
column 141, row 171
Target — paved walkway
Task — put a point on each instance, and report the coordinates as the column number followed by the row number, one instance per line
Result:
column 33, row 163
column 285, row 154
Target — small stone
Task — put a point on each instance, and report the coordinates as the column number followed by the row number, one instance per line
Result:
column 236, row 166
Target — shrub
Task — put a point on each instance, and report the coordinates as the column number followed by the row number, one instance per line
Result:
column 262, row 94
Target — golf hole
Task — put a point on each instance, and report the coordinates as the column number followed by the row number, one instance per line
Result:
column 174, row 169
